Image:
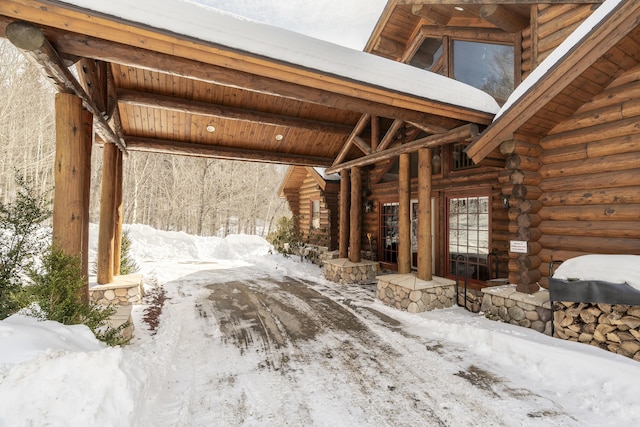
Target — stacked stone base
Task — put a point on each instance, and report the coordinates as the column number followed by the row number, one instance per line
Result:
column 615, row 328
column 343, row 271
column 407, row 292
column 124, row 290
column 505, row 304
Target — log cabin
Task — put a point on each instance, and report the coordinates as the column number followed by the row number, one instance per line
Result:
column 312, row 197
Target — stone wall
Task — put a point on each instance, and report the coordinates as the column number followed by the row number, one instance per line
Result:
column 615, row 328
column 125, row 290
column 406, row 292
column 341, row 270
column 505, row 304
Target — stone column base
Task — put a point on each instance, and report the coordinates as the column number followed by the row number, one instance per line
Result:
column 407, row 292
column 124, row 290
column 341, row 270
column 527, row 310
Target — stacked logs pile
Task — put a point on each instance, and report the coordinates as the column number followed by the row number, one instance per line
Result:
column 615, row 328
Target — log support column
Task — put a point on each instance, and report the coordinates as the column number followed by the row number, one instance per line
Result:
column 343, row 245
column 70, row 206
column 117, row 232
column 88, row 144
column 523, row 191
column 355, row 242
column 404, row 215
column 425, row 254
column 106, row 233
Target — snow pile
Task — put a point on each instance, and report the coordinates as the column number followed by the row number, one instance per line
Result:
column 608, row 268
column 58, row 375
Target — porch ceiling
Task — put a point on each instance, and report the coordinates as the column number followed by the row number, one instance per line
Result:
column 161, row 92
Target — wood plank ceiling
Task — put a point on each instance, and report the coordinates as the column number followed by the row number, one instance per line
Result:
column 163, row 93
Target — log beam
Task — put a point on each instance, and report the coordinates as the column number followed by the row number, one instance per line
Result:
column 503, row 18
column 355, row 240
column 430, row 14
column 30, row 40
column 144, row 99
column 150, row 145
column 461, row 133
column 390, row 135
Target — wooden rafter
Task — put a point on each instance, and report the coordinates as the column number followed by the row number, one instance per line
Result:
column 390, row 135
column 346, row 95
column 151, row 145
column 461, row 133
column 503, row 18
column 30, row 40
column 362, row 123
column 145, row 99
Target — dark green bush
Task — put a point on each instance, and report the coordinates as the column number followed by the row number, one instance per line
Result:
column 21, row 241
column 286, row 239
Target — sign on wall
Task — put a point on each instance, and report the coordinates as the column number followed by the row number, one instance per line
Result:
column 518, row 246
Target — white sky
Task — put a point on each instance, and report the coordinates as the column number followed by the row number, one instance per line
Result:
column 345, row 22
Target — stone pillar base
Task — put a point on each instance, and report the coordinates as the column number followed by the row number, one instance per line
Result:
column 407, row 292
column 123, row 290
column 506, row 304
column 341, row 270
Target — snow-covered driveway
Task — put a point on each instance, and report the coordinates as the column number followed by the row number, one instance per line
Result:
column 268, row 350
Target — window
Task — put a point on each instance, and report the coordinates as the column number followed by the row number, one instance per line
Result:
column 459, row 159
column 389, row 233
column 468, row 236
column 457, row 53
column 488, row 67
column 315, row 214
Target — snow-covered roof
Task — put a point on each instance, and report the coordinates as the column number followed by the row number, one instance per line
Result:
column 327, row 177
column 560, row 52
column 186, row 18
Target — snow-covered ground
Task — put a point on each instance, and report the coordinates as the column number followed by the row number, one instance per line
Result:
column 432, row 367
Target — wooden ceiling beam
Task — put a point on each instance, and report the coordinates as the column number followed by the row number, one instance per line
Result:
column 390, row 135
column 503, row 18
column 90, row 47
column 462, row 133
column 200, row 108
column 362, row 123
column 32, row 43
column 180, row 148
column 430, row 14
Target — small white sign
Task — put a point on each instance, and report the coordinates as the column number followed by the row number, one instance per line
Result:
column 518, row 246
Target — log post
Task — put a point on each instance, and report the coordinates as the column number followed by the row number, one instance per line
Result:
column 117, row 234
column 69, row 203
column 404, row 215
column 107, row 214
column 425, row 253
column 86, row 191
column 355, row 215
column 344, row 214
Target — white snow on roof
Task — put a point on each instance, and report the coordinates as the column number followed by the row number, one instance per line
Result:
column 188, row 18
column 330, row 177
column 559, row 53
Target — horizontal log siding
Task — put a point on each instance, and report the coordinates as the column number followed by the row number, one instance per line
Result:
column 591, row 179
column 309, row 192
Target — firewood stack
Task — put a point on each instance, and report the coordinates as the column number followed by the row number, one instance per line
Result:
column 613, row 327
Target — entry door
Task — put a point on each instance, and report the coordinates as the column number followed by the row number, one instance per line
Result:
column 414, row 233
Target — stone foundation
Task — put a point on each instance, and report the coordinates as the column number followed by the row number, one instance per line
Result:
column 504, row 303
column 615, row 328
column 407, row 292
column 341, row 270
column 124, row 290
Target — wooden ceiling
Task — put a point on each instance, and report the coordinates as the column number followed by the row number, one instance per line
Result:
column 160, row 92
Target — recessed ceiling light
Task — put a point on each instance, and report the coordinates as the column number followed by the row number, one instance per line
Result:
column 211, row 128
column 459, row 8
column 279, row 137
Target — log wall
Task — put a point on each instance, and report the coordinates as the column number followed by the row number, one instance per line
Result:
column 550, row 25
column 590, row 179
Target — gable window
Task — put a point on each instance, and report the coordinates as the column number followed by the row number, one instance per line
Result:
column 468, row 236
column 459, row 159
column 485, row 61
column 315, row 214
